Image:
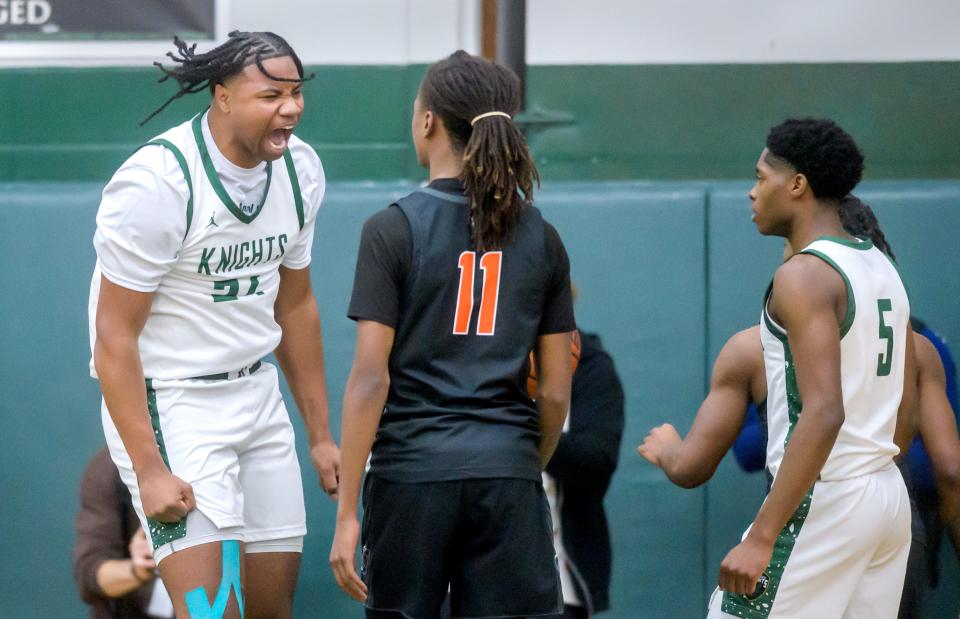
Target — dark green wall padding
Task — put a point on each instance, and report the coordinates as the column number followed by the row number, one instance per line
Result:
column 667, row 271
column 629, row 121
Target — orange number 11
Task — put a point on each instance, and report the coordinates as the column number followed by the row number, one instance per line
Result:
column 490, row 263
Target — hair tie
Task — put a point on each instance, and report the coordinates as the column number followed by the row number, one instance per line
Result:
column 486, row 115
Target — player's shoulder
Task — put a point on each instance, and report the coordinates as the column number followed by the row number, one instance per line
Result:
column 747, row 339
column 551, row 236
column 741, row 354
column 147, row 170
column 157, row 159
column 928, row 358
column 389, row 222
column 154, row 158
column 305, row 158
column 803, row 265
column 807, row 276
column 531, row 215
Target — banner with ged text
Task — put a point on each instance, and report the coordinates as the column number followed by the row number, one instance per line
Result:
column 104, row 20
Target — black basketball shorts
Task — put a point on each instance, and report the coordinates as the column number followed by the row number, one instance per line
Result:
column 490, row 541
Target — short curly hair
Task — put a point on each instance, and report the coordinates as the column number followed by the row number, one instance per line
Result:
column 820, row 150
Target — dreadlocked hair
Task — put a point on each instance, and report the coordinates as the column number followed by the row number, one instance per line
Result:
column 195, row 72
column 498, row 171
column 858, row 219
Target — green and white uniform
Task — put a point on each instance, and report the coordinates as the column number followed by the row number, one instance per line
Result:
column 844, row 551
column 207, row 238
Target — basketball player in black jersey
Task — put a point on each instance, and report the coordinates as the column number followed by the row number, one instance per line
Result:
column 455, row 284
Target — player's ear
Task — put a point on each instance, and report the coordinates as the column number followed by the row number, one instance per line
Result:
column 429, row 124
column 221, row 98
column 798, row 185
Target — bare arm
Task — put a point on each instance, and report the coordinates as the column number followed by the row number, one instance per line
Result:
column 116, row 577
column 120, row 576
column 908, row 414
column 363, row 402
column 300, row 355
column 806, row 293
column 692, row 461
column 121, row 315
column 99, row 564
column 555, row 371
column 938, row 428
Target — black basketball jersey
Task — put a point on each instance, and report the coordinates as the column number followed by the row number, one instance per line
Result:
column 465, row 323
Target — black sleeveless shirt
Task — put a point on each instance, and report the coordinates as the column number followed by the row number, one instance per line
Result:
column 465, row 323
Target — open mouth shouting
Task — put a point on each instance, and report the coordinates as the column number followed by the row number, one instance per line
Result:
column 279, row 138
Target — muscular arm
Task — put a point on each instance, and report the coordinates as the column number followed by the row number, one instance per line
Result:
column 363, row 402
column 938, row 428
column 807, row 294
column 555, row 373
column 692, row 461
column 121, row 316
column 300, row 355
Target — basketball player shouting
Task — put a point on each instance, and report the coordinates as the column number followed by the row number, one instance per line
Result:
column 203, row 249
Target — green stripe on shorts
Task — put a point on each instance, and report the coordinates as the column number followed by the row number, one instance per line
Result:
column 759, row 606
column 161, row 532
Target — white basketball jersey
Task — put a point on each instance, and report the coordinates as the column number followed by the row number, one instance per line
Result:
column 212, row 265
column 871, row 363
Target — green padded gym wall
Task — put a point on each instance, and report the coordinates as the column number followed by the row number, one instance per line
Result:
column 666, row 272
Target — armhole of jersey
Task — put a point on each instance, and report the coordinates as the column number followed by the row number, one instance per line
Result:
column 411, row 276
column 297, row 197
column 772, row 326
column 896, row 267
column 851, row 301
column 186, row 175
column 414, row 246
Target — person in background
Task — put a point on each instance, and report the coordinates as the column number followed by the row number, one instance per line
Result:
column 112, row 561
column 934, row 457
column 578, row 476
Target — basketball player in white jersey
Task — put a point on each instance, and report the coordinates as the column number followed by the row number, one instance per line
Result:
column 203, row 246
column 833, row 535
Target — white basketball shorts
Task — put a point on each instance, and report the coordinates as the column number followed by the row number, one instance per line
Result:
column 231, row 439
column 842, row 554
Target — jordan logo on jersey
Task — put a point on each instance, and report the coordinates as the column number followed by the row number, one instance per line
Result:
column 212, row 221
